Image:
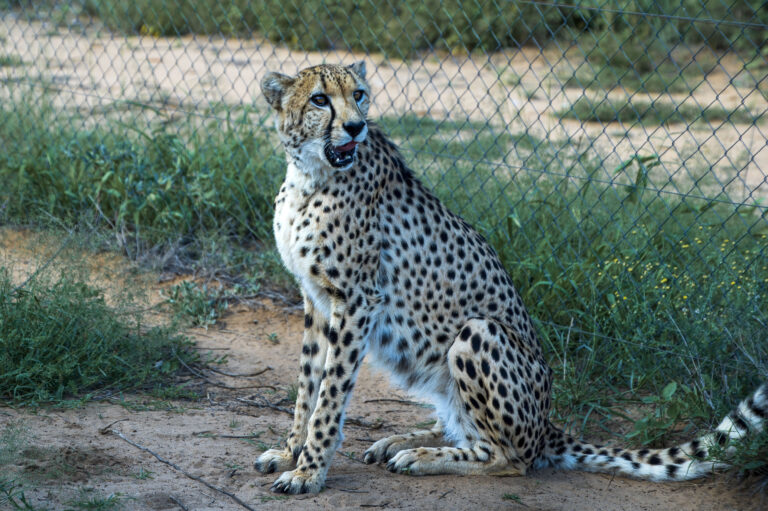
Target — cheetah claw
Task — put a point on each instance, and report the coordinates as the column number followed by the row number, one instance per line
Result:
column 384, row 449
column 295, row 482
column 399, row 468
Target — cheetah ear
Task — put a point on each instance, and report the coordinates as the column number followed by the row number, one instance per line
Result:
column 359, row 68
column 273, row 87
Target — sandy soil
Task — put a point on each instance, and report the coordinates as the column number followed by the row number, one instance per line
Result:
column 67, row 451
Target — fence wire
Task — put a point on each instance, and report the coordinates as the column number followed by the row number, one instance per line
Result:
column 613, row 151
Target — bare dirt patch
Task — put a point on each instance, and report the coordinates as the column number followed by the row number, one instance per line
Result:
column 218, row 438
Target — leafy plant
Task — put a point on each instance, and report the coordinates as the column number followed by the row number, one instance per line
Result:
column 669, row 411
column 12, row 494
column 60, row 339
column 197, row 304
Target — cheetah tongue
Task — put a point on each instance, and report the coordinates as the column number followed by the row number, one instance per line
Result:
column 346, row 147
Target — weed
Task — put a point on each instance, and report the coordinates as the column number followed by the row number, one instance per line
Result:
column 748, row 457
column 195, row 304
column 293, row 392
column 273, row 338
column 201, row 203
column 12, row 439
column 653, row 429
column 627, row 61
column 89, row 500
column 59, row 338
column 143, row 475
column 12, row 494
column 512, row 496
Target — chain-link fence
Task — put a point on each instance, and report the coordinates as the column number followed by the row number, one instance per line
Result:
column 614, row 152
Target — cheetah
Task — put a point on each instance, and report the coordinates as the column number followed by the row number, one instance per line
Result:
column 387, row 271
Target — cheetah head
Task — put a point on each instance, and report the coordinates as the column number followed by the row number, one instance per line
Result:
column 320, row 114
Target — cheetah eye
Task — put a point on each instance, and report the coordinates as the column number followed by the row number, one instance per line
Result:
column 358, row 95
column 319, row 99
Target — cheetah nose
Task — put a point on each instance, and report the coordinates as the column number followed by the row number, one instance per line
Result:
column 353, row 128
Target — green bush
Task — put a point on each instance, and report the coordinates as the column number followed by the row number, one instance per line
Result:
column 400, row 29
column 59, row 339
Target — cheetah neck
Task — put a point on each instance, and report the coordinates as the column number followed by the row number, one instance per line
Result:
column 305, row 179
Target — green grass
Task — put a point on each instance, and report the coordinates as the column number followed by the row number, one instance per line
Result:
column 659, row 112
column 60, row 340
column 655, row 288
column 645, row 300
column 179, row 202
column 91, row 500
column 12, row 495
column 10, row 61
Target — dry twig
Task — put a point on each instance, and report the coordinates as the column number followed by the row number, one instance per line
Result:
column 265, row 404
column 179, row 469
column 216, row 435
column 179, row 503
column 217, row 384
column 236, row 375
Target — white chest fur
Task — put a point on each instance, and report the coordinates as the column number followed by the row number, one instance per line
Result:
column 294, row 233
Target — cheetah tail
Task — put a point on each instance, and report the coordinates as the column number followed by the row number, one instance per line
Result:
column 685, row 461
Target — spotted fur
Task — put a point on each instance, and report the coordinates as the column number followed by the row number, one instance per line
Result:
column 386, row 270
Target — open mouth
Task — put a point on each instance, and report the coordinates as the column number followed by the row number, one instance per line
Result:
column 342, row 155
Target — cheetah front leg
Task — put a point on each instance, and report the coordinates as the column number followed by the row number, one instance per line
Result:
column 386, row 448
column 311, row 362
column 346, row 348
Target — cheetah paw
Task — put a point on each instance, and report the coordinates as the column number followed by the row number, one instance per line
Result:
column 405, row 462
column 384, row 449
column 299, row 481
column 274, row 460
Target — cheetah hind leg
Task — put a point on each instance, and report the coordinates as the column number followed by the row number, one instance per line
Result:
column 384, row 449
column 489, row 367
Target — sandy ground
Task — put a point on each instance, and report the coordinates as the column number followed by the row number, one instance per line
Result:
column 85, row 69
column 67, row 451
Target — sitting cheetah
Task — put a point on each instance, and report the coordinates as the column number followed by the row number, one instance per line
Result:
column 386, row 270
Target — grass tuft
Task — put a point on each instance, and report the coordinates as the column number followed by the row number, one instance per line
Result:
column 198, row 305
column 12, row 495
column 749, row 459
column 59, row 339
column 90, row 500
column 11, row 61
